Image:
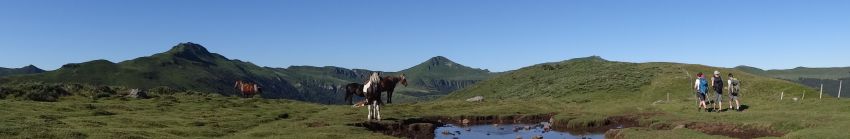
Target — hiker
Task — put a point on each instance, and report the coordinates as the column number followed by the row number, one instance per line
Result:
column 717, row 86
column 734, row 90
column 701, row 87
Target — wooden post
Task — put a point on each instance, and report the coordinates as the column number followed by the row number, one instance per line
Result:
column 781, row 95
column 821, row 91
column 804, row 96
column 839, row 88
column 668, row 97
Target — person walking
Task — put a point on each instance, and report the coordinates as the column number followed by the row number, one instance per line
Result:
column 734, row 91
column 717, row 86
column 701, row 87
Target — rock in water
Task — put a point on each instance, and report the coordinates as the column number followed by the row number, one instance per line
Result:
column 537, row 137
column 446, row 132
column 475, row 99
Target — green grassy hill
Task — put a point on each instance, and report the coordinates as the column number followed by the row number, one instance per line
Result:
column 801, row 72
column 584, row 92
column 20, row 71
column 429, row 80
column 186, row 66
column 440, row 76
column 812, row 77
column 594, row 76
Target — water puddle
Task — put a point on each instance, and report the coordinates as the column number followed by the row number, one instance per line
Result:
column 508, row 131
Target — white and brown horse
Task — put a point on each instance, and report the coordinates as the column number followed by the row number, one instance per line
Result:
column 387, row 84
column 372, row 93
column 247, row 89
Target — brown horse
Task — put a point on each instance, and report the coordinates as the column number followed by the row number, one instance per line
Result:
column 353, row 89
column 387, row 84
column 247, row 89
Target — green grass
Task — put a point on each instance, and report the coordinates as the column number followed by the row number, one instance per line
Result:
column 525, row 91
column 213, row 116
column 176, row 116
column 30, row 69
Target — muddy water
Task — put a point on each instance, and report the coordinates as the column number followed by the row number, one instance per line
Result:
column 508, row 131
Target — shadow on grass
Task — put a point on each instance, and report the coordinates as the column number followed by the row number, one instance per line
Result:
column 723, row 109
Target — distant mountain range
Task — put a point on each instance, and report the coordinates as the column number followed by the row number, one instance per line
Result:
column 812, row 77
column 190, row 66
column 801, row 72
column 19, row 71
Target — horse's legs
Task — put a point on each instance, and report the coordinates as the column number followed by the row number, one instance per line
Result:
column 348, row 97
column 389, row 96
column 378, row 111
column 370, row 113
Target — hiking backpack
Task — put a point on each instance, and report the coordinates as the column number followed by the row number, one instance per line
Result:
column 736, row 86
column 703, row 85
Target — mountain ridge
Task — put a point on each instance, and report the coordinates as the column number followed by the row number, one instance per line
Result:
column 191, row 66
column 29, row 69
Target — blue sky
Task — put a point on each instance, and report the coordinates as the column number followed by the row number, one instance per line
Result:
column 492, row 34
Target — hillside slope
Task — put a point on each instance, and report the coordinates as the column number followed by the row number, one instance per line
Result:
column 594, row 78
column 801, row 72
column 19, row 71
column 431, row 79
column 190, row 66
column 812, row 77
column 185, row 66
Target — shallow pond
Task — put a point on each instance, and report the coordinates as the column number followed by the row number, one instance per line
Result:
column 507, row 131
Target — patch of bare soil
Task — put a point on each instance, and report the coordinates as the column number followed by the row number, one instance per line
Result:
column 723, row 129
column 414, row 128
column 732, row 130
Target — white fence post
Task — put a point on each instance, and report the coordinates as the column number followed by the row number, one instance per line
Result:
column 781, row 95
column 839, row 88
column 821, row 91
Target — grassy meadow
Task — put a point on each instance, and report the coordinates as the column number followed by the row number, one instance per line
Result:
column 580, row 92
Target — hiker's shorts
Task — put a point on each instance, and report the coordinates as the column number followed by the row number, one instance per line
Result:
column 734, row 96
column 719, row 97
column 701, row 96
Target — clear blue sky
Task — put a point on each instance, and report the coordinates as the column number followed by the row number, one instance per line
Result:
column 492, row 34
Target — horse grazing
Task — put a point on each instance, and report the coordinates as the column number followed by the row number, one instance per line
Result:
column 387, row 84
column 247, row 89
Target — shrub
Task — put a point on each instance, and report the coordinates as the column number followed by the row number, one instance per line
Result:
column 46, row 93
column 101, row 112
column 162, row 91
column 103, row 92
column 283, row 116
column 2, row 93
